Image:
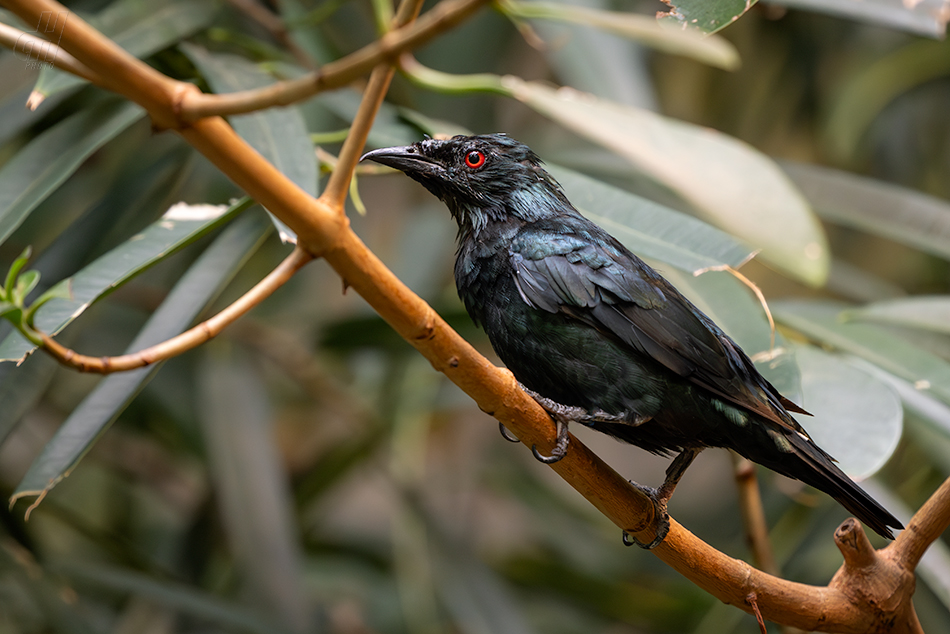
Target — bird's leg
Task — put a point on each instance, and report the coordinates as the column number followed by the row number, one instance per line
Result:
column 561, row 415
column 560, row 444
column 661, row 496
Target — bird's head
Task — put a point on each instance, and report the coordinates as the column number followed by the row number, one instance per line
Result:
column 478, row 177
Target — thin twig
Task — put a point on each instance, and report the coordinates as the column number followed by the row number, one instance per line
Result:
column 189, row 339
column 753, row 515
column 445, row 15
column 275, row 26
column 35, row 49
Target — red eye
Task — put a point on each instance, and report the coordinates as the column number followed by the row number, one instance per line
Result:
column 474, row 159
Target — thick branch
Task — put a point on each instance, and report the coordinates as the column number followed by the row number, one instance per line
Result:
column 189, row 339
column 924, row 527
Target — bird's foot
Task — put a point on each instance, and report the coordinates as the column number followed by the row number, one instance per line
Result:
column 507, row 435
column 560, row 444
column 661, row 518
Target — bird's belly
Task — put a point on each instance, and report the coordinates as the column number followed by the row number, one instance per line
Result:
column 573, row 364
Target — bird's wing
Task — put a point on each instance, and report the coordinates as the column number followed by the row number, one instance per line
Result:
column 609, row 288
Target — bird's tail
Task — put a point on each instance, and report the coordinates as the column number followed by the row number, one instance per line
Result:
column 810, row 464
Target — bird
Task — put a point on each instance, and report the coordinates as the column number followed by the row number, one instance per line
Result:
column 598, row 337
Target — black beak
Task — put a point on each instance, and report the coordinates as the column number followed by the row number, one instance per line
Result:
column 408, row 159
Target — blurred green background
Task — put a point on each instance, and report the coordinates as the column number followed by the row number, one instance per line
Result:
column 307, row 471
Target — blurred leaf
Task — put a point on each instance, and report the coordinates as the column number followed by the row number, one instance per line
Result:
column 730, row 304
column 53, row 156
column 856, row 417
column 186, row 599
column 252, row 486
column 916, row 403
column 141, row 28
column 923, row 17
column 868, row 91
column 715, row 51
column 200, row 285
column 730, row 183
column 278, row 134
column 649, row 229
column 890, row 211
column 822, row 322
column 707, row 16
column 180, row 226
column 923, row 312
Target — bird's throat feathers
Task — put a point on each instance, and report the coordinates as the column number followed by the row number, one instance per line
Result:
column 531, row 202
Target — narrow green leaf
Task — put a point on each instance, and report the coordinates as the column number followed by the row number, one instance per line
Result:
column 279, row 135
column 890, row 211
column 922, row 17
column 730, row 183
column 650, row 229
column 822, row 322
column 925, row 313
column 868, row 91
column 14, row 272
column 24, row 284
column 186, row 599
column 712, row 50
column 200, row 285
column 179, row 227
column 141, row 28
column 49, row 159
column 857, row 418
column 251, row 485
column 707, row 16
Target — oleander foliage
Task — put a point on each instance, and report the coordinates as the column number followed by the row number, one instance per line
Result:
column 307, row 471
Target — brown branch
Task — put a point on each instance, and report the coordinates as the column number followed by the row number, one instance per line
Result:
column 924, row 527
column 848, row 604
column 753, row 515
column 33, row 48
column 189, row 339
column 336, row 74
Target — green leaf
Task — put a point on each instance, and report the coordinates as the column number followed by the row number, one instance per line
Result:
column 856, row 417
column 251, row 484
column 714, row 50
column 279, row 135
column 200, row 285
column 14, row 272
column 730, row 183
column 707, row 16
column 141, row 28
column 895, row 213
column 179, row 227
column 868, row 91
column 822, row 322
column 24, row 284
column 52, row 157
column 924, row 312
column 926, row 17
column 650, row 229
column 236, row 617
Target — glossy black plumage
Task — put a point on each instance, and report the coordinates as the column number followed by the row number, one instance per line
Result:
column 584, row 323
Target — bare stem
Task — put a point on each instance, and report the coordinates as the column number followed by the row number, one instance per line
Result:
column 753, row 515
column 924, row 527
column 190, row 338
column 444, row 16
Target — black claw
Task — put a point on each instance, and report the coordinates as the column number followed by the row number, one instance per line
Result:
column 560, row 445
column 661, row 522
column 554, row 457
column 507, row 435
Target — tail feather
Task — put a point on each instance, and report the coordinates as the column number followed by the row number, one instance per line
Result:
column 810, row 464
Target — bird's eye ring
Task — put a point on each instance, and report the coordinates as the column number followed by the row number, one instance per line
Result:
column 474, row 159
